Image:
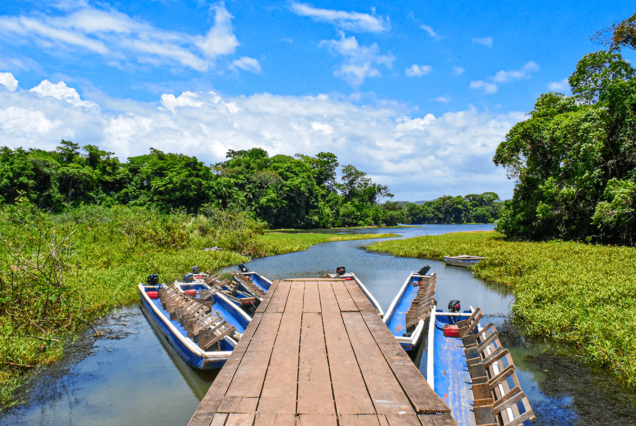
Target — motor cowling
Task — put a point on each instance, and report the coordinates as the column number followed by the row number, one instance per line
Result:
column 424, row 270
column 188, row 278
column 195, row 269
column 340, row 270
column 243, row 268
column 153, row 279
column 454, row 306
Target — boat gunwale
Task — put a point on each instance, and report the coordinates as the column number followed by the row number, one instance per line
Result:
column 413, row 340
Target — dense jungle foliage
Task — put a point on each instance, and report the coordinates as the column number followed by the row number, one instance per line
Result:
column 282, row 191
column 574, row 159
column 578, row 293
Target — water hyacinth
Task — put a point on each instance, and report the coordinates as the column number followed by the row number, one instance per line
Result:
column 576, row 293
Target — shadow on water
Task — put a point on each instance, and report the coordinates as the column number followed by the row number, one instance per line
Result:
column 136, row 378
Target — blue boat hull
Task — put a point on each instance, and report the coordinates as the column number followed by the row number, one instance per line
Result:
column 395, row 317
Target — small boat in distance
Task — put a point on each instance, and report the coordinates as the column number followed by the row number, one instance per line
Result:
column 463, row 260
column 411, row 307
column 201, row 324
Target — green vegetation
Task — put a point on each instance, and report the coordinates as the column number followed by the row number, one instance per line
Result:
column 60, row 272
column 473, row 208
column 577, row 293
column 575, row 158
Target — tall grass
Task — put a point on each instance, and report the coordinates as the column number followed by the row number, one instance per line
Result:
column 281, row 243
column 577, row 293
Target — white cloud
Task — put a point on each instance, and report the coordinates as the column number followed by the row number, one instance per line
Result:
column 62, row 92
column 118, row 37
column 490, row 85
column 351, row 21
column 417, row 70
column 559, row 86
column 9, row 81
column 484, row 41
column 247, row 64
column 418, row 157
column 443, row 99
column 359, row 61
column 458, row 70
column 431, row 32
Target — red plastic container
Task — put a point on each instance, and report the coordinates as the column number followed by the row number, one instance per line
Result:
column 192, row 293
column 153, row 294
column 451, row 331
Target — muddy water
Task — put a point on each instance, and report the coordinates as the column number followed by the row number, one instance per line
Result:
column 132, row 376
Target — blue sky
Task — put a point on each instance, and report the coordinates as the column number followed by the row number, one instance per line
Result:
column 417, row 94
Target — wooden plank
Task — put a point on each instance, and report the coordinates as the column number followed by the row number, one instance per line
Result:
column 249, row 377
column 350, row 392
column 345, row 302
column 437, row 419
column 422, row 397
column 359, row 420
column 279, row 298
column 359, row 298
column 386, row 392
column 238, row 405
column 240, row 420
column 209, row 404
column 402, row 420
column 279, row 390
column 219, row 419
column 315, row 395
column 268, row 297
column 312, row 297
column 317, row 420
column 275, row 419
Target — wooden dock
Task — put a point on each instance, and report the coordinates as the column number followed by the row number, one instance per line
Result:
column 318, row 353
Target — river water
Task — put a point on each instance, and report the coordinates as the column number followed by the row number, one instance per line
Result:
column 132, row 376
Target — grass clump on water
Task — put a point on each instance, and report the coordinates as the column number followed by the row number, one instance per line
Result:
column 281, row 243
column 58, row 273
column 576, row 293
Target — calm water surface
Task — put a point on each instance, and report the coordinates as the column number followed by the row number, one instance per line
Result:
column 134, row 377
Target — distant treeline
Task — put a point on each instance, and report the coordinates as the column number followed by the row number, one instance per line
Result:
column 283, row 191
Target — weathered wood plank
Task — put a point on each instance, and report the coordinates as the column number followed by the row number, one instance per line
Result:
column 240, row 420
column 279, row 390
column 312, row 297
column 317, row 420
column 275, row 420
column 359, row 420
column 402, row 420
column 315, row 395
column 268, row 297
column 248, row 379
column 219, row 420
column 359, row 297
column 388, row 397
column 345, row 302
column 350, row 392
column 279, row 298
column 238, row 405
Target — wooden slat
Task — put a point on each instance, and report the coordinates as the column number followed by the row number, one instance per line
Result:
column 359, row 420
column 275, row 420
column 248, row 379
column 279, row 298
column 402, row 419
column 240, row 420
column 268, row 297
column 436, row 419
column 238, row 405
column 315, row 395
column 349, row 390
column 359, row 298
column 279, row 390
column 384, row 389
column 219, row 419
column 312, row 297
column 317, row 420
column 345, row 302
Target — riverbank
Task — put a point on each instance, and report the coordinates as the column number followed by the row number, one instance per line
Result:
column 59, row 273
column 576, row 293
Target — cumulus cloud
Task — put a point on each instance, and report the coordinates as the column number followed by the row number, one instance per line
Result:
column 247, row 64
column 418, row 157
column 351, row 21
column 490, row 85
column 9, row 81
column 443, row 99
column 458, row 70
column 484, row 41
column 417, row 70
column 360, row 62
column 119, row 37
column 559, row 86
column 431, row 32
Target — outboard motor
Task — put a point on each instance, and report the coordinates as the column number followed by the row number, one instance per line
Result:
column 340, row 270
column 424, row 270
column 188, row 278
column 454, row 306
column 195, row 269
column 153, row 279
column 243, row 268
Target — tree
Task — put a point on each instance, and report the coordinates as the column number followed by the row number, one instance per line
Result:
column 617, row 36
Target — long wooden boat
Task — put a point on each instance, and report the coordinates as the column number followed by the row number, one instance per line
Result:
column 473, row 374
column 463, row 260
column 223, row 321
column 397, row 316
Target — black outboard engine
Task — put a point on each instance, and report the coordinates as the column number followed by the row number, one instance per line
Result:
column 424, row 270
column 195, row 269
column 153, row 279
column 243, row 268
column 188, row 278
column 340, row 270
column 454, row 306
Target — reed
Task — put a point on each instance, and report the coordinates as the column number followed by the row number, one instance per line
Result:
column 576, row 293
